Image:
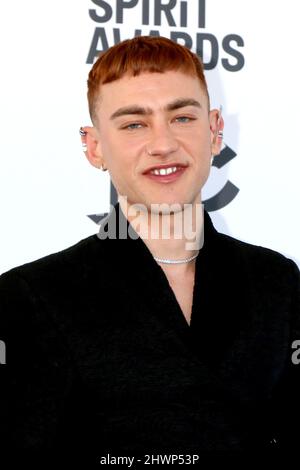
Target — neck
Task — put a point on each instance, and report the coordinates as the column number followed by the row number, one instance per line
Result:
column 174, row 236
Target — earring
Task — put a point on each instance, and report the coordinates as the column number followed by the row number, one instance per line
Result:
column 103, row 167
column 220, row 133
column 83, row 134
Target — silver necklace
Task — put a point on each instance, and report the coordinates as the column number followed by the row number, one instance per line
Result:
column 175, row 261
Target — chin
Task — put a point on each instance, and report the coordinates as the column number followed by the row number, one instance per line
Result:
column 165, row 205
column 174, row 201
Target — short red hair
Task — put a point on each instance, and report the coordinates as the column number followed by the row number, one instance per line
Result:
column 142, row 54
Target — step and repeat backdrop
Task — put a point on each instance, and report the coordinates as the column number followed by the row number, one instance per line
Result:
column 51, row 197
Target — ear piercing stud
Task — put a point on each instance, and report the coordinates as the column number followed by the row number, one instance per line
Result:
column 219, row 133
column 220, row 114
column 83, row 134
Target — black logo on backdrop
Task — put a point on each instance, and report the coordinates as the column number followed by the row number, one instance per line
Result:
column 229, row 190
column 224, row 51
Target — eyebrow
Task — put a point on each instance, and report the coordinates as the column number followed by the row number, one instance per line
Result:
column 135, row 109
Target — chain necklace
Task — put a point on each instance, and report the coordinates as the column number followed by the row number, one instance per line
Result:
column 175, row 261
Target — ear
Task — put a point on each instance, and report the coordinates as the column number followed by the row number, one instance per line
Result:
column 91, row 144
column 216, row 126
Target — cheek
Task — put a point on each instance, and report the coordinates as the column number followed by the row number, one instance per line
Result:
column 122, row 145
column 113, row 152
column 199, row 145
column 121, row 160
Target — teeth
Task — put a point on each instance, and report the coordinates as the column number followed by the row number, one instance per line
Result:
column 164, row 171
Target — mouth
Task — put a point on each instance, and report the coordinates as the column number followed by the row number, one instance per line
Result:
column 166, row 173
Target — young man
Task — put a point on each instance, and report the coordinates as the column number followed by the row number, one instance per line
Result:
column 153, row 113
column 133, row 345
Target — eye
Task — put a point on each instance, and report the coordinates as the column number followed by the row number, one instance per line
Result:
column 132, row 126
column 184, row 119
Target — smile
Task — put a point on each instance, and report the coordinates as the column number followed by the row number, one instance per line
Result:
column 166, row 175
column 164, row 171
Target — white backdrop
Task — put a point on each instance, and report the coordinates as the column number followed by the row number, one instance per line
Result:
column 47, row 187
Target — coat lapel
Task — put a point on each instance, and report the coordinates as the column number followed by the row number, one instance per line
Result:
column 219, row 298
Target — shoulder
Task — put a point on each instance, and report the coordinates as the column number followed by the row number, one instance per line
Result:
column 262, row 266
column 243, row 255
column 70, row 259
column 57, row 281
column 256, row 255
column 38, row 295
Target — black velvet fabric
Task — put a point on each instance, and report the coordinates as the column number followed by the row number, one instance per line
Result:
column 100, row 358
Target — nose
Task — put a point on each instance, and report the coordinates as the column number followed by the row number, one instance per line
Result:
column 162, row 141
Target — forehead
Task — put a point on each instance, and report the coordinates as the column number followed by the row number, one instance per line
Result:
column 150, row 89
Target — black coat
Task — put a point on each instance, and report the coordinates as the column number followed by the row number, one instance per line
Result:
column 100, row 359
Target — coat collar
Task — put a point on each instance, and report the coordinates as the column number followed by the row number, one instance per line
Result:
column 220, row 291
